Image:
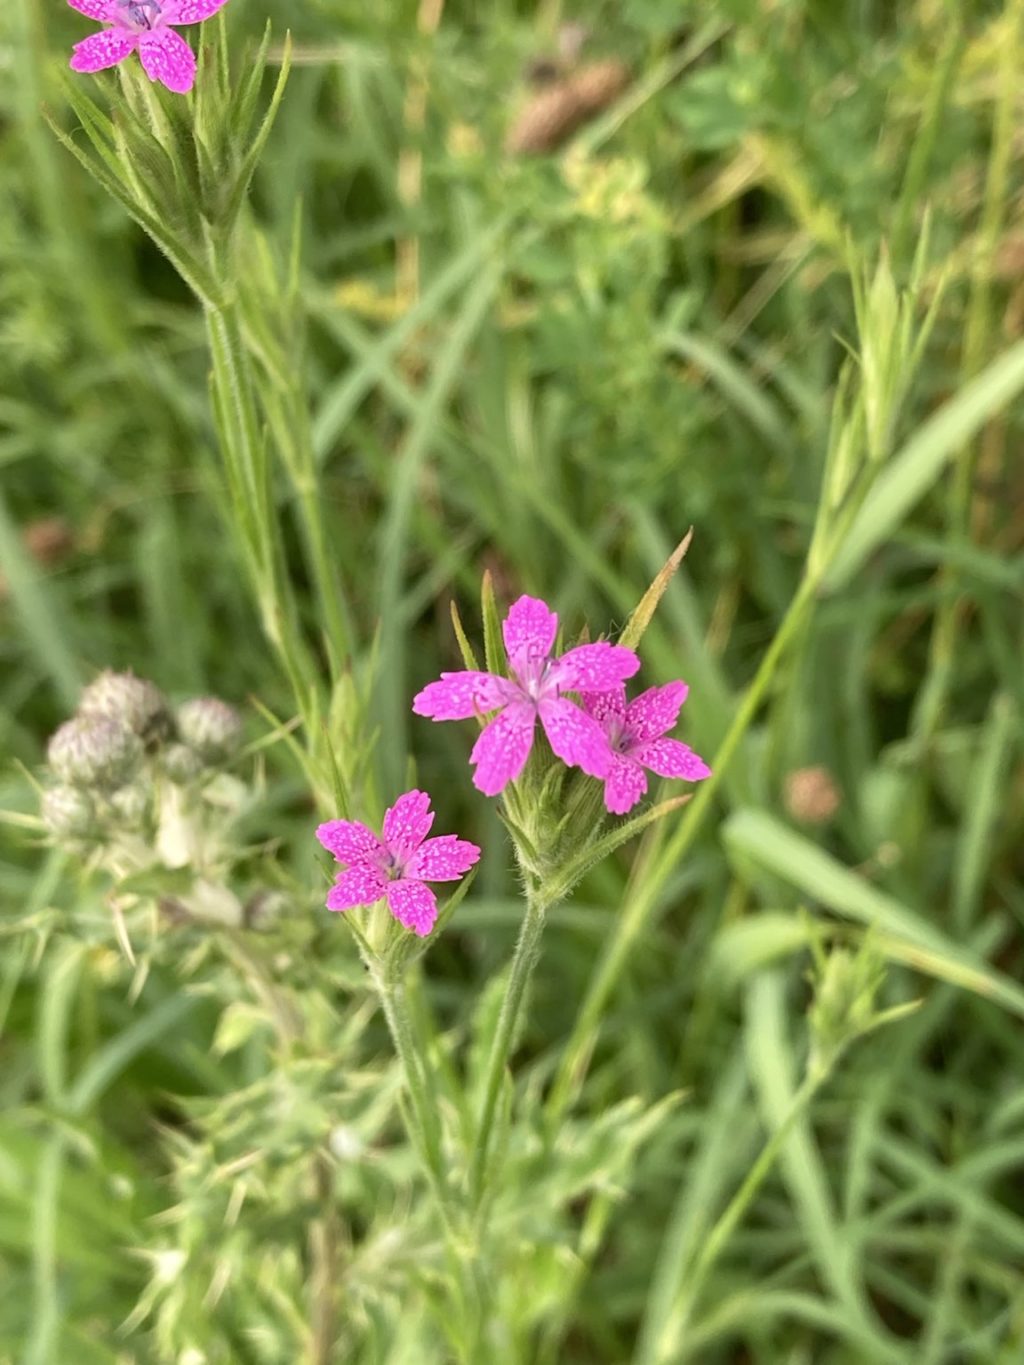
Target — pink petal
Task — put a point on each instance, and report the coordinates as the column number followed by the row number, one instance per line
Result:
column 444, row 859
column 413, row 905
column 575, row 737
column 655, row 711
column 605, row 706
column 360, row 885
column 103, row 49
column 103, row 11
column 458, row 696
column 407, row 824
column 190, row 11
column 529, row 631
column 624, row 785
column 594, row 668
column 166, row 57
column 669, row 758
column 349, row 841
column 502, row 749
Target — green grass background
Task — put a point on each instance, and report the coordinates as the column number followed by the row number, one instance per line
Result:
column 597, row 350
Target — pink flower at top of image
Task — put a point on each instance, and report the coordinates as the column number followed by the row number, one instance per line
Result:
column 533, row 692
column 396, row 867
column 146, row 26
column 635, row 735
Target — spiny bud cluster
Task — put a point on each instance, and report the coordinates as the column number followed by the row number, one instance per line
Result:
column 108, row 759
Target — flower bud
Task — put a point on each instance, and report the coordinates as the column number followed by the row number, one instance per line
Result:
column 181, row 764
column 122, row 696
column 93, row 751
column 131, row 805
column 211, row 727
column 67, row 811
column 845, row 986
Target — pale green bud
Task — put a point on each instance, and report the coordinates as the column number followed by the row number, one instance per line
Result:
column 181, row 764
column 131, row 805
column 93, row 751
column 68, row 811
column 122, row 696
column 843, row 1008
column 211, row 727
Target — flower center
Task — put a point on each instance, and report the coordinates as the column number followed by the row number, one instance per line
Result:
column 533, row 679
column 141, row 14
column 392, row 867
column 618, row 736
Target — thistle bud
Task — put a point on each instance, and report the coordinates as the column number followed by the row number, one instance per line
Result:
column 122, row 696
column 93, row 751
column 181, row 764
column 211, row 727
column 68, row 811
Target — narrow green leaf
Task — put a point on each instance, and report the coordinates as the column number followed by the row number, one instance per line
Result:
column 910, row 472
column 493, row 649
column 645, row 609
column 465, row 648
column 818, row 875
column 569, row 875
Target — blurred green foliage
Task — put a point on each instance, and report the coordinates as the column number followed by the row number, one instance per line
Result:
column 550, row 367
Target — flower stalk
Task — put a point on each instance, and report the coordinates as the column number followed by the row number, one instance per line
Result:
column 524, row 961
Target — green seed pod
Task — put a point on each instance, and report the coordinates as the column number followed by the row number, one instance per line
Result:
column 68, row 812
column 182, row 764
column 90, row 751
column 211, row 727
column 122, row 696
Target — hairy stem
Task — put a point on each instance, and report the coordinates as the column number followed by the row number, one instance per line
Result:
column 523, row 963
column 424, row 1111
column 322, row 1238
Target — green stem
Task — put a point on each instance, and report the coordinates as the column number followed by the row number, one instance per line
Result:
column 323, row 1237
column 668, row 1347
column 523, row 963
column 254, row 519
column 642, row 904
column 944, row 643
column 423, row 1100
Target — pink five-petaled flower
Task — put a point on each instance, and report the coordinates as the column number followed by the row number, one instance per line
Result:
column 635, row 737
column 396, row 867
column 535, row 689
column 144, row 25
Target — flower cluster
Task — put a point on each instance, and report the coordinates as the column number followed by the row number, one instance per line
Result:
column 107, row 757
column 139, row 787
column 146, row 27
column 605, row 736
column 579, row 699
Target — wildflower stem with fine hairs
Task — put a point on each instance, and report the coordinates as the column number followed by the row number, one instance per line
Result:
column 391, row 992
column 523, row 963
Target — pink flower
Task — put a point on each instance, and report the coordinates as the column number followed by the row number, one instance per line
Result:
column 634, row 736
column 144, row 25
column 396, row 867
column 535, row 689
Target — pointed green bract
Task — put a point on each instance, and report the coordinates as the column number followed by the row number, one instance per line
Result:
column 494, row 650
column 644, row 611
